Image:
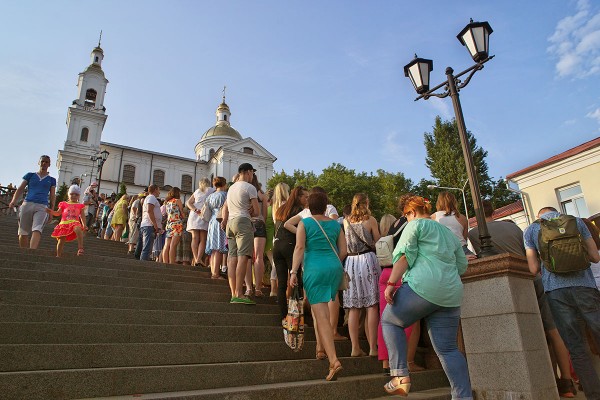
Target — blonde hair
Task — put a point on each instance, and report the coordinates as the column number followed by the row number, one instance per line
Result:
column 386, row 221
column 203, row 184
column 447, row 202
column 280, row 196
column 360, row 208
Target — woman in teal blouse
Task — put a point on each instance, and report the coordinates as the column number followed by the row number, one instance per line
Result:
column 430, row 260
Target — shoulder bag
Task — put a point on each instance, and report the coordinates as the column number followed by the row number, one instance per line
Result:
column 384, row 247
column 345, row 284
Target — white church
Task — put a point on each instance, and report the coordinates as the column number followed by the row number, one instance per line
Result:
column 219, row 152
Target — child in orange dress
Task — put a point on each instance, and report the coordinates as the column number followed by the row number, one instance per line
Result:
column 72, row 222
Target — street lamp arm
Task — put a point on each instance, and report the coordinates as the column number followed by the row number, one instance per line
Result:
column 459, row 85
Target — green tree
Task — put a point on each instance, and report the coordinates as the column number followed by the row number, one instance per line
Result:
column 446, row 162
column 122, row 190
column 386, row 189
column 62, row 193
column 501, row 196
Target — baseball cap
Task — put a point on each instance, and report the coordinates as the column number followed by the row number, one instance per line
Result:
column 246, row 167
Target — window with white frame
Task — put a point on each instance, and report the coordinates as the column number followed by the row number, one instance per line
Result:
column 572, row 201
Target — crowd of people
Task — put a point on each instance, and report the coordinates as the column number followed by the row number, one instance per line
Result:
column 233, row 228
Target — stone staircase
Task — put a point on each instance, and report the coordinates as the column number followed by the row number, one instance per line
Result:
column 105, row 325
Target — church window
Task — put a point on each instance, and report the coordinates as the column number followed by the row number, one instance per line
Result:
column 186, row 183
column 90, row 97
column 158, row 178
column 84, row 134
column 96, row 59
column 129, row 174
column 211, row 153
column 225, row 117
column 248, row 150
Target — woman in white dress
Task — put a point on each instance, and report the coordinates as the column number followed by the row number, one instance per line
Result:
column 448, row 215
column 196, row 225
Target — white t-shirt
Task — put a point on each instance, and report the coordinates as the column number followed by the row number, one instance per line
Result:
column 146, row 221
column 329, row 211
column 238, row 199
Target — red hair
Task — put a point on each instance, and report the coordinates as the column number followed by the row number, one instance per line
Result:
column 418, row 205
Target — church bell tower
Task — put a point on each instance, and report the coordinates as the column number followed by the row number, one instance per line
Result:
column 85, row 121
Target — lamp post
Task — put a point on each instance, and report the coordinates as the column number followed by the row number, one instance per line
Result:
column 475, row 36
column 99, row 159
column 453, row 188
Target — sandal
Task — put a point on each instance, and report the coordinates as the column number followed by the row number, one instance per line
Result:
column 321, row 355
column 258, row 293
column 400, row 388
column 80, row 252
column 361, row 354
column 333, row 370
column 219, row 277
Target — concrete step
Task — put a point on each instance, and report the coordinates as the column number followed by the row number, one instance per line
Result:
column 61, row 333
column 228, row 381
column 442, row 393
column 95, row 301
column 27, row 313
column 58, row 275
column 106, row 290
column 138, row 270
column 31, row 357
column 348, row 388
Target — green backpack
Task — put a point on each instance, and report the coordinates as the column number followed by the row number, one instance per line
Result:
column 561, row 247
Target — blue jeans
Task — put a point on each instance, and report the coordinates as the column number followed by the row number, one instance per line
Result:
column 147, row 234
column 442, row 326
column 140, row 243
column 568, row 305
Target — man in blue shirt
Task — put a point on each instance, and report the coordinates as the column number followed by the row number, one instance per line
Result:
column 32, row 214
column 571, row 296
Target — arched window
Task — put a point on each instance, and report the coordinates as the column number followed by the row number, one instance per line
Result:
column 90, row 97
column 84, row 134
column 129, row 174
column 96, row 59
column 248, row 150
column 211, row 153
column 186, row 183
column 158, row 178
column 224, row 117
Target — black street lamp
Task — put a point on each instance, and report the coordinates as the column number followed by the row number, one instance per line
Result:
column 100, row 160
column 475, row 36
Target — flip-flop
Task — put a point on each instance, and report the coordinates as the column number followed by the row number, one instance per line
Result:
column 333, row 370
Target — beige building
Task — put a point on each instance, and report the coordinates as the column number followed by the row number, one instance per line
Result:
column 567, row 181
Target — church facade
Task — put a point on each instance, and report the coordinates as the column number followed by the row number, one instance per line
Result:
column 219, row 152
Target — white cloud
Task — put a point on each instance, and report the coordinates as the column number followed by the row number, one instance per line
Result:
column 576, row 42
column 393, row 151
column 594, row 114
column 441, row 106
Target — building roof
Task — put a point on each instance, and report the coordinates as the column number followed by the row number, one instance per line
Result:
column 559, row 157
column 501, row 212
column 120, row 146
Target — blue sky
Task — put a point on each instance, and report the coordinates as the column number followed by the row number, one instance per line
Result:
column 315, row 82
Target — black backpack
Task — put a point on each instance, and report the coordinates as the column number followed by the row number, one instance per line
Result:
column 561, row 247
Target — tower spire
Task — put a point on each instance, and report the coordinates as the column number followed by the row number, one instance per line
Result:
column 100, row 38
column 224, row 88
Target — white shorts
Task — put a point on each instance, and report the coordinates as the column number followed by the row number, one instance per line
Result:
column 32, row 217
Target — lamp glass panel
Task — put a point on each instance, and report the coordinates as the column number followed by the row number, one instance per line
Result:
column 480, row 35
column 468, row 39
column 424, row 67
column 415, row 75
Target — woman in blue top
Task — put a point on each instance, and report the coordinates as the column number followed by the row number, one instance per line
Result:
column 32, row 214
column 320, row 247
column 429, row 258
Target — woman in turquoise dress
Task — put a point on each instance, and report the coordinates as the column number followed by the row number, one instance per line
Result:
column 320, row 247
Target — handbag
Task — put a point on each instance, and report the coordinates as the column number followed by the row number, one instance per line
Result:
column 205, row 213
column 384, row 247
column 345, row 283
column 293, row 324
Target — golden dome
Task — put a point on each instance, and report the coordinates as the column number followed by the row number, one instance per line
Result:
column 222, row 130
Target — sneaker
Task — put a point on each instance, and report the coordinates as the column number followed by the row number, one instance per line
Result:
column 242, row 300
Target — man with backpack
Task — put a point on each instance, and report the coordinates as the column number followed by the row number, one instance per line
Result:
column 565, row 246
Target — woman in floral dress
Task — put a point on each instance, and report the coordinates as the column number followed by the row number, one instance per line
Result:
column 174, row 226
